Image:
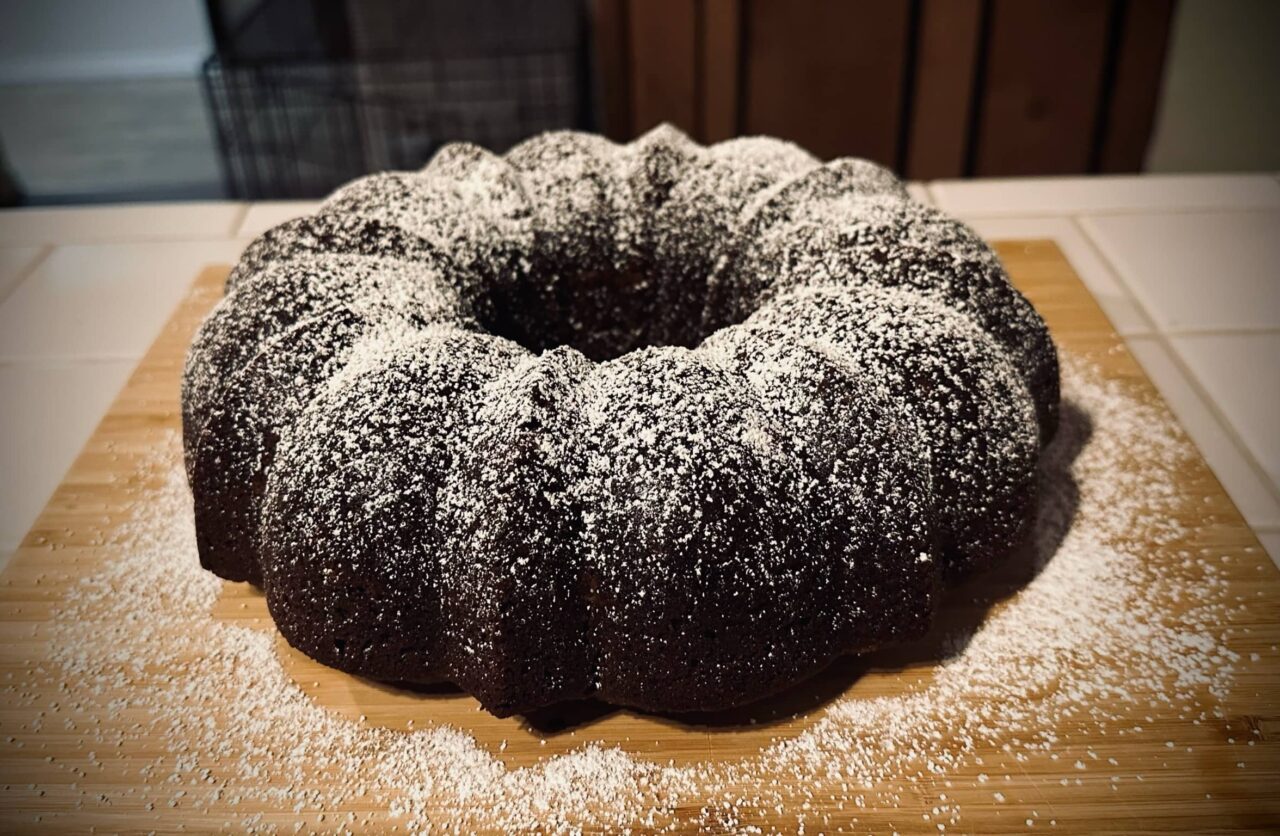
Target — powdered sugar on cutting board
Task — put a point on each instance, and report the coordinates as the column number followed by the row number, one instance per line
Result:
column 1083, row 639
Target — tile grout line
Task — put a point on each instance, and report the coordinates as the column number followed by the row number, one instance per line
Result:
column 45, row 251
column 1216, row 416
column 1162, row 337
column 1231, row 429
column 1107, row 213
column 1163, row 340
column 65, row 361
column 1114, row 271
column 312, row 207
column 1246, row 331
column 191, row 237
column 1050, row 228
column 237, row 223
column 1075, row 221
column 126, row 239
column 1227, row 427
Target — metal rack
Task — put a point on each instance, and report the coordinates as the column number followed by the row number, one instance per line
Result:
column 297, row 127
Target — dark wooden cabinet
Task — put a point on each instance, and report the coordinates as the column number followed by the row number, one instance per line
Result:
column 934, row 88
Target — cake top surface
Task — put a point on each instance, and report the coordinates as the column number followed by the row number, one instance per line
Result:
column 663, row 393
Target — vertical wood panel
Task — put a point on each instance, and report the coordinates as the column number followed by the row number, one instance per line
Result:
column 721, row 58
column 663, row 64
column 1135, row 89
column 998, row 87
column 827, row 75
column 1038, row 110
column 613, row 67
column 948, row 35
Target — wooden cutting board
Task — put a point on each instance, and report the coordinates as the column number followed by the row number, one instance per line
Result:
column 46, row 770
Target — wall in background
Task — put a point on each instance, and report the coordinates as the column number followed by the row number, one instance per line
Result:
column 65, row 40
column 100, row 100
column 932, row 88
column 1221, row 104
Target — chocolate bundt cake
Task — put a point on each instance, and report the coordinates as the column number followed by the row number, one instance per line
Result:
column 668, row 425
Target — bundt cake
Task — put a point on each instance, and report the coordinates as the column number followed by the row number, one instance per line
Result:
column 668, row 425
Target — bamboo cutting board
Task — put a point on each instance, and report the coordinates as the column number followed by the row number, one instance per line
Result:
column 51, row 778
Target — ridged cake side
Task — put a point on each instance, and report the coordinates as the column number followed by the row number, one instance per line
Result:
column 669, row 425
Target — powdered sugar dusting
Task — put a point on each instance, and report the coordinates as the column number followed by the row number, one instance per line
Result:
column 1089, row 641
column 678, row 490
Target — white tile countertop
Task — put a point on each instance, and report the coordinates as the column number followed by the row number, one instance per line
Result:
column 1186, row 267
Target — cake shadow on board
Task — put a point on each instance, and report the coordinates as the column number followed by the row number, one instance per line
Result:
column 961, row 614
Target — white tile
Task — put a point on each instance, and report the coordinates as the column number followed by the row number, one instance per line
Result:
column 1246, row 487
column 14, row 264
column 107, row 300
column 47, row 413
column 1241, row 374
column 1197, row 271
column 263, row 216
column 138, row 222
column 1126, row 316
column 920, row 193
column 1271, row 542
column 1079, row 195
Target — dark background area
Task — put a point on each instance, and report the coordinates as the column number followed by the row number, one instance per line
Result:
column 262, row 99
column 937, row 88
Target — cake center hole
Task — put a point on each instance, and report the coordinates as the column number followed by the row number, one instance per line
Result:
column 603, row 313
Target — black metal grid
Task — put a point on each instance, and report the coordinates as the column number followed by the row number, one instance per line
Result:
column 299, row 128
